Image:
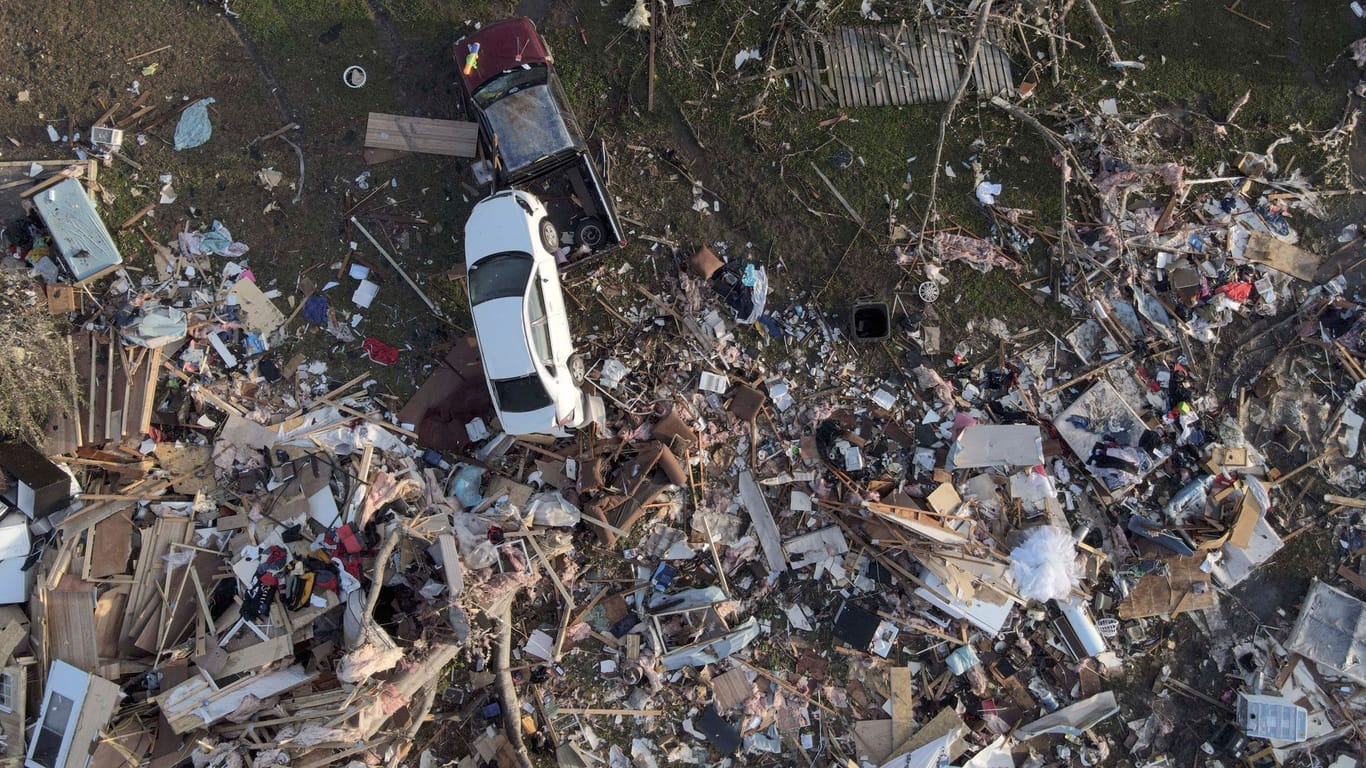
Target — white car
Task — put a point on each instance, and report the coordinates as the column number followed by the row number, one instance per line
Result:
column 513, row 285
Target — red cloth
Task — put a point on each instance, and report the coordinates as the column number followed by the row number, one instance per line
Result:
column 1239, row 292
column 380, row 352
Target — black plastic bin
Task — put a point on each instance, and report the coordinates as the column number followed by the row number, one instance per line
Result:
column 870, row 321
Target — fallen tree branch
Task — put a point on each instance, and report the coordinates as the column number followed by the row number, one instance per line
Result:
column 1051, row 138
column 978, row 33
column 299, row 194
column 507, row 693
column 1102, row 29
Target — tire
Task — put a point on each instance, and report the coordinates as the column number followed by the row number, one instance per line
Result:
column 550, row 236
column 578, row 370
column 590, row 232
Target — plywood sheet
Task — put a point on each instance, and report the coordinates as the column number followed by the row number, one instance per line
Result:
column 71, row 628
column 112, row 547
column 258, row 312
column 731, row 689
column 1282, row 256
column 1159, row 594
column 452, row 138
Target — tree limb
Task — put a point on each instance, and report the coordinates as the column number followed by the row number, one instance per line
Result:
column 979, row 32
column 507, row 693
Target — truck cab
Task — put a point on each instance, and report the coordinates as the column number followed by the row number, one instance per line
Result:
column 529, row 133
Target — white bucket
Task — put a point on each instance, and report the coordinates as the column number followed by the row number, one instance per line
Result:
column 354, row 77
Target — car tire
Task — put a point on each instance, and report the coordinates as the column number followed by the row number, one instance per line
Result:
column 578, row 369
column 550, row 235
column 590, row 232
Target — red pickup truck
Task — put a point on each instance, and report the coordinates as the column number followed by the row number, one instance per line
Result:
column 529, row 133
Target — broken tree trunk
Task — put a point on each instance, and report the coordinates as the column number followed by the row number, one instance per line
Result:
column 979, row 32
column 403, row 688
column 507, row 693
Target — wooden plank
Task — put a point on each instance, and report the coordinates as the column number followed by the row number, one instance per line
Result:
column 609, row 712
column 857, row 83
column 452, row 138
column 148, row 575
column 111, row 548
column 1354, row 578
column 876, row 62
column 856, row 96
column 805, row 69
column 109, row 620
column 10, row 637
column 903, row 704
column 256, row 656
column 827, row 57
column 897, row 67
column 834, row 58
column 936, row 66
column 821, row 64
column 70, row 619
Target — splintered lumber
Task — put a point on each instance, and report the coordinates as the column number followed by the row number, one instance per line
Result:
column 146, row 603
column 923, row 522
column 453, row 138
column 765, row 527
column 609, row 712
column 198, row 703
column 1345, row 501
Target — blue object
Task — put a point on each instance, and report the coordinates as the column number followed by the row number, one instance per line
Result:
column 194, row 127
column 432, row 458
column 255, row 344
column 962, row 659
column 663, row 576
column 751, row 276
column 466, row 485
column 771, row 325
column 315, row 309
column 1276, row 221
column 216, row 240
column 491, row 711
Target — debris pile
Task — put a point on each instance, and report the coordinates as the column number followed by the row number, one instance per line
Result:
column 802, row 530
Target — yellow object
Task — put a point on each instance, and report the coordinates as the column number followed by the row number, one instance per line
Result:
column 472, row 59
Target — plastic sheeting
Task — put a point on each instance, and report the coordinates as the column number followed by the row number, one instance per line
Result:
column 552, row 509
column 1044, row 565
column 157, row 327
column 194, row 127
column 713, row 650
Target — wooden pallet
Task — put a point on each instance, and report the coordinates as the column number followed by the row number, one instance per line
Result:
column 889, row 65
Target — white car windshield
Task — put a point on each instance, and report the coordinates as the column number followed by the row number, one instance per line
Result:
column 499, row 276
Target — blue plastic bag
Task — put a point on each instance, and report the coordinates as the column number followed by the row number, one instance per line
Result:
column 194, row 127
